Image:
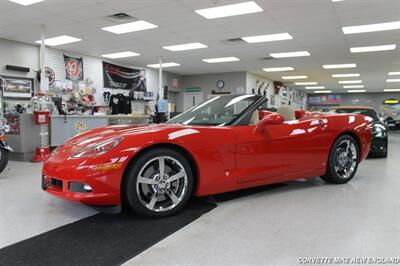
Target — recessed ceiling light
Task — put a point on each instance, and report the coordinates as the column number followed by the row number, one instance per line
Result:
column 393, row 73
column 337, row 66
column 353, row 87
column 392, row 80
column 120, row 55
column 377, row 48
column 290, row 54
column 294, row 77
column 350, row 81
column 391, row 90
column 229, row 10
column 26, row 2
column 59, row 40
column 372, row 27
column 267, row 38
column 353, row 91
column 169, row 64
column 345, row 75
column 305, row 83
column 186, row 46
column 322, row 91
column 278, row 69
column 221, row 60
column 130, row 27
column 315, row 88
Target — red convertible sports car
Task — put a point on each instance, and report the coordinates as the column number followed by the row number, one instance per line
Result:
column 224, row 144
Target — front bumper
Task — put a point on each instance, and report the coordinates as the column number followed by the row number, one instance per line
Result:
column 378, row 146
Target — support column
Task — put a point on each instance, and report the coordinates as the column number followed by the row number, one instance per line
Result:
column 44, row 82
column 160, row 79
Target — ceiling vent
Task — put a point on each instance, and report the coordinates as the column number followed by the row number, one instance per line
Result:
column 120, row 18
column 233, row 41
column 267, row 58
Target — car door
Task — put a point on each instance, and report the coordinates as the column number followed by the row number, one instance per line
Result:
column 293, row 148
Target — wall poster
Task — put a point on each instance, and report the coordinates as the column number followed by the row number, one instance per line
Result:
column 73, row 68
column 118, row 77
column 16, row 87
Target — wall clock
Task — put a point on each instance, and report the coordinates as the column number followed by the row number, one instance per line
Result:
column 220, row 84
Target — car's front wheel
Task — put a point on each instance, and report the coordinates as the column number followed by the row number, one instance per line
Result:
column 159, row 183
column 343, row 161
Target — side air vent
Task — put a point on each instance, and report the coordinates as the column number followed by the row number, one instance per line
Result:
column 120, row 18
column 233, row 41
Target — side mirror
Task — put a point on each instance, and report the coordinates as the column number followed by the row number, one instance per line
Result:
column 273, row 119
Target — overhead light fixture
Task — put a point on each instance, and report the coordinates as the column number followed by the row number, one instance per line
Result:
column 322, row 91
column 278, row 69
column 229, row 10
column 350, row 81
column 294, row 77
column 130, row 27
column 352, row 75
column 372, row 27
column 392, row 80
column 391, row 90
column 290, row 54
column 353, row 86
column 338, row 66
column 59, row 40
column 164, row 65
column 268, row 38
column 315, row 88
column 221, row 60
column 337, row 0
column 393, row 73
column 184, row 47
column 120, row 55
column 353, row 91
column 306, row 83
column 26, row 2
column 377, row 48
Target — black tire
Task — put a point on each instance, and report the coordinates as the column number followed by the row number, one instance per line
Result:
column 4, row 154
column 331, row 175
column 130, row 190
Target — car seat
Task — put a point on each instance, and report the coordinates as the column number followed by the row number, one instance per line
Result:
column 255, row 118
column 287, row 112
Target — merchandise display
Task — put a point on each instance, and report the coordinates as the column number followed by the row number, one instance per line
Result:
column 154, row 169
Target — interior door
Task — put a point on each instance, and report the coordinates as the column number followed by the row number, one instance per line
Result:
column 288, row 149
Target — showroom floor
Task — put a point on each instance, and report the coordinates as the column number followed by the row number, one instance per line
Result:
column 318, row 220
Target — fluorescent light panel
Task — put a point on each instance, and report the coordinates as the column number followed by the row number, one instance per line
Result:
column 338, row 66
column 306, row 83
column 315, row 88
column 322, row 91
column 120, row 55
column 290, row 54
column 393, row 73
column 164, row 65
column 130, row 27
column 229, row 10
column 267, row 38
column 353, row 86
column 294, row 77
column 351, row 75
column 377, row 48
column 221, row 60
column 350, row 81
column 278, row 69
column 59, row 40
column 353, row 91
column 372, row 27
column 337, row 0
column 391, row 90
column 186, row 46
column 26, row 2
column 392, row 80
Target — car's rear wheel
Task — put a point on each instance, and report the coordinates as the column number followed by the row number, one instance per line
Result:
column 343, row 161
column 159, row 183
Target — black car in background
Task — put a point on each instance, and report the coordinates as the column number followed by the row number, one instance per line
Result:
column 379, row 144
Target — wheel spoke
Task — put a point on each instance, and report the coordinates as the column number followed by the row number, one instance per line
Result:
column 153, row 201
column 173, row 197
column 145, row 180
column 161, row 166
column 175, row 177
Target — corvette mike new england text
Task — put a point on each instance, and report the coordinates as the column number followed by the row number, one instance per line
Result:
column 349, row 260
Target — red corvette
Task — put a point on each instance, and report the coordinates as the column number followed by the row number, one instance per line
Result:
column 225, row 144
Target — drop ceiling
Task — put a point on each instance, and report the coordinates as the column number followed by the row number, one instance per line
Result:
column 315, row 26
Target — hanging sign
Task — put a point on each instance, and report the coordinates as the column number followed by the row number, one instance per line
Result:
column 73, row 68
column 118, row 77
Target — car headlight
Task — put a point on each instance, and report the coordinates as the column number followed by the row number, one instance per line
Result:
column 98, row 148
column 378, row 130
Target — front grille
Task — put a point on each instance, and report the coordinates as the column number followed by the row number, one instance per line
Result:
column 51, row 182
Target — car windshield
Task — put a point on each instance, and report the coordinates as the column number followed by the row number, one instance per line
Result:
column 217, row 111
column 366, row 112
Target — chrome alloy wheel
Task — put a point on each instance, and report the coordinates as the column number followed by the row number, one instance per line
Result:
column 345, row 159
column 161, row 184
